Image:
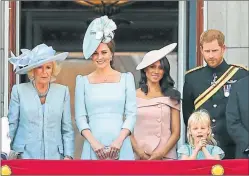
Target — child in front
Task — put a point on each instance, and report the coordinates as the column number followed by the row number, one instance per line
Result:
column 201, row 144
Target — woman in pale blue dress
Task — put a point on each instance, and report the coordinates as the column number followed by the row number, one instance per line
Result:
column 104, row 98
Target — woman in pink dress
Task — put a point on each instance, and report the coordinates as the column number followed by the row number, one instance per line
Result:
column 157, row 128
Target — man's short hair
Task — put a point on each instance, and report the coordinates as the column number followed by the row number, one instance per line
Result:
column 211, row 35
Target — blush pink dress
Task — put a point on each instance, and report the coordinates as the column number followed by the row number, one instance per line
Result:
column 153, row 125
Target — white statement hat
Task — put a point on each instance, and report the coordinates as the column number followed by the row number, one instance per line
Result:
column 155, row 55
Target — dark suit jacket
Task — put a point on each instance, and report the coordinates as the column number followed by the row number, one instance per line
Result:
column 237, row 116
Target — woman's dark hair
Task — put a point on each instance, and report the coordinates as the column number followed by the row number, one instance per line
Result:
column 111, row 45
column 166, row 83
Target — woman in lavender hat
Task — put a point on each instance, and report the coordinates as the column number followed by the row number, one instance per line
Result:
column 40, row 125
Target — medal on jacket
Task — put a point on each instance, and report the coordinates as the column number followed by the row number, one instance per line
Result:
column 214, row 79
column 226, row 89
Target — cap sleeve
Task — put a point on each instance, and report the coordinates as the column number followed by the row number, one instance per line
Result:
column 183, row 150
column 218, row 151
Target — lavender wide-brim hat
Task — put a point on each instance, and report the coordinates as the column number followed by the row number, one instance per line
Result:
column 30, row 59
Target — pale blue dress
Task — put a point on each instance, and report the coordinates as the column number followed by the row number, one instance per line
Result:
column 187, row 150
column 101, row 108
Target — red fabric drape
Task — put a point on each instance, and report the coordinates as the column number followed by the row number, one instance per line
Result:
column 71, row 167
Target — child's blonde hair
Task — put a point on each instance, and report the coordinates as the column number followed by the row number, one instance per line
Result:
column 201, row 116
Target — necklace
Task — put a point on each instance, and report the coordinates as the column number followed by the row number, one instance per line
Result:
column 41, row 95
column 104, row 78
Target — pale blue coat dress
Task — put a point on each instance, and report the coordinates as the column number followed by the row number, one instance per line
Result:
column 101, row 108
column 41, row 131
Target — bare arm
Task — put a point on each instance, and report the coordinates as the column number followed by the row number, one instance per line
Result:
column 139, row 151
column 123, row 134
column 134, row 144
column 208, row 155
column 191, row 157
column 91, row 139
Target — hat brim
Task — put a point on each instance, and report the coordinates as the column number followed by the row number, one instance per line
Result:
column 58, row 57
column 155, row 55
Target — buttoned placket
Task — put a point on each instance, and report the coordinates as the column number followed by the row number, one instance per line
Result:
column 159, row 119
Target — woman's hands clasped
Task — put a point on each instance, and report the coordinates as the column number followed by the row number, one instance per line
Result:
column 115, row 149
column 107, row 152
column 99, row 149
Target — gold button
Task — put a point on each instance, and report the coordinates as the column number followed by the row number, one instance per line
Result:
column 5, row 170
column 217, row 170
